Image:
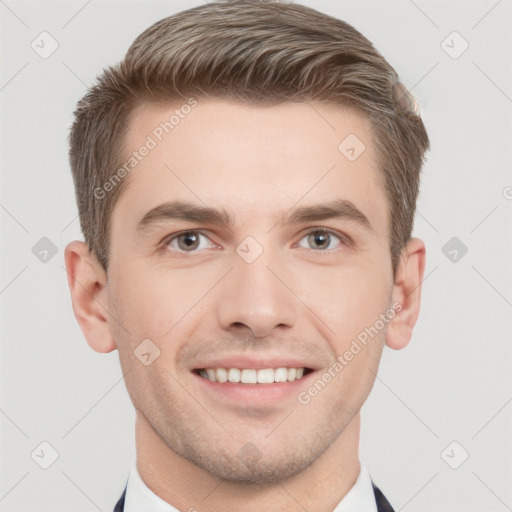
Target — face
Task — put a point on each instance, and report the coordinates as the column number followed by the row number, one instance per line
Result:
column 247, row 239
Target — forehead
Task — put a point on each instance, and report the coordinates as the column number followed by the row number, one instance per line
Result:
column 250, row 159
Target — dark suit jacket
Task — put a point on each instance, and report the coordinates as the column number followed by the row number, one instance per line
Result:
column 382, row 503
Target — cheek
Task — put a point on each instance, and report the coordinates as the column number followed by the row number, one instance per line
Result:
column 154, row 302
column 348, row 299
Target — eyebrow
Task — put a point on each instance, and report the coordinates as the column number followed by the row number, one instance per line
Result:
column 189, row 212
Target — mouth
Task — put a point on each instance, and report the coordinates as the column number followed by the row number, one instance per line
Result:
column 263, row 376
column 246, row 384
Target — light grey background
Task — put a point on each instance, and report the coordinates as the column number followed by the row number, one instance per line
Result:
column 453, row 383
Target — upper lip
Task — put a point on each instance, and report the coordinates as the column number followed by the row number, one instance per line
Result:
column 256, row 363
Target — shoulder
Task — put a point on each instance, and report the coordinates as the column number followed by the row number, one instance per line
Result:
column 383, row 504
column 120, row 504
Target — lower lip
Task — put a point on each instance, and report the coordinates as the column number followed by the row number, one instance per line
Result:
column 254, row 394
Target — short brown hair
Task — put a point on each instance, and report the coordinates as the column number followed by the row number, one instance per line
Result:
column 256, row 52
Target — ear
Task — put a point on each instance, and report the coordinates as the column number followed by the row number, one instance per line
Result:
column 87, row 282
column 406, row 294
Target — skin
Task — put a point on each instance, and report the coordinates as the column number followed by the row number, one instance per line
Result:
column 294, row 299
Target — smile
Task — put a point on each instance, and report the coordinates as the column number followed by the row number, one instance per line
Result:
column 253, row 375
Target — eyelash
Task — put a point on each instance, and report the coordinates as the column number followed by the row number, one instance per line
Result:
column 344, row 239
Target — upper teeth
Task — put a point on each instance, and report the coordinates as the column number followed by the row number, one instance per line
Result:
column 252, row 376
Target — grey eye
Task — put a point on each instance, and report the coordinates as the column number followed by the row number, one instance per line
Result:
column 321, row 239
column 187, row 241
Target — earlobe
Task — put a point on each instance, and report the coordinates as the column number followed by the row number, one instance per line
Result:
column 87, row 282
column 406, row 294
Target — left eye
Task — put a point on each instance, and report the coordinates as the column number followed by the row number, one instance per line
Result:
column 187, row 242
column 322, row 238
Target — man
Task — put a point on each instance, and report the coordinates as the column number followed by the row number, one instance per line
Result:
column 231, row 140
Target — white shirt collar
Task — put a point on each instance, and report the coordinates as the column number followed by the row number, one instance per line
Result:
column 140, row 497
column 361, row 495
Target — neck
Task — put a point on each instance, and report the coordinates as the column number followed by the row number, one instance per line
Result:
column 179, row 482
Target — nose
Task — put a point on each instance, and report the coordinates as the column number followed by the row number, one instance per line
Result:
column 256, row 296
